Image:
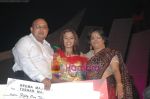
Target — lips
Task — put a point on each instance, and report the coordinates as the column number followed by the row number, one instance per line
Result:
column 68, row 44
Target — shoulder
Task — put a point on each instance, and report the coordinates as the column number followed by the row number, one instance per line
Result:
column 117, row 54
column 111, row 50
column 23, row 42
column 115, row 59
column 47, row 43
column 89, row 54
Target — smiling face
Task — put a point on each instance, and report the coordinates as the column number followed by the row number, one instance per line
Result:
column 96, row 40
column 69, row 40
column 39, row 29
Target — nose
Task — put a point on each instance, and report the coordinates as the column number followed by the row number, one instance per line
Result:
column 95, row 40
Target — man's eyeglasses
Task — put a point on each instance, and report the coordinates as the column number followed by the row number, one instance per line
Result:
column 41, row 27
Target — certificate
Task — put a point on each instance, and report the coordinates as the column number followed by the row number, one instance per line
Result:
column 90, row 89
column 21, row 89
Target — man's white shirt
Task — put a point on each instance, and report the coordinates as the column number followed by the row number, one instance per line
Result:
column 33, row 57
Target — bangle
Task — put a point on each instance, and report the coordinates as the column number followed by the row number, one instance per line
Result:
column 48, row 79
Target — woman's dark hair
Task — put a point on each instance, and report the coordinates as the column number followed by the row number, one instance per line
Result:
column 101, row 33
column 76, row 42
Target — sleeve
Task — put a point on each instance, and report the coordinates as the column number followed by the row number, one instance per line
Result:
column 89, row 54
column 23, row 50
column 115, row 59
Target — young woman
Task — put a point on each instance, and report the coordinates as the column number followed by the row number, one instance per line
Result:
column 67, row 57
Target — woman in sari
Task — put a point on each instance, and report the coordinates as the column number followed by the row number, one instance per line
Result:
column 108, row 64
column 67, row 57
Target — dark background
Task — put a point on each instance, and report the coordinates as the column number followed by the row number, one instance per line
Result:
column 17, row 16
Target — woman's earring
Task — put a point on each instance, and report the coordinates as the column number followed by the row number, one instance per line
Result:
column 91, row 47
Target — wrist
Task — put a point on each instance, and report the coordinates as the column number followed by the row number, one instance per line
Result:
column 48, row 79
column 119, row 84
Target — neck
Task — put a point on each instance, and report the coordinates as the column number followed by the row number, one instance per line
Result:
column 69, row 51
column 41, row 42
column 98, row 49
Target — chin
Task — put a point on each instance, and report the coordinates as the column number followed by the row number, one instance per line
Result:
column 69, row 46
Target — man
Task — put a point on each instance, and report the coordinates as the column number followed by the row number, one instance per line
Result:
column 33, row 55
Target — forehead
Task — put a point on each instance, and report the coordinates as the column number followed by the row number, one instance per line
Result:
column 68, row 34
column 39, row 22
column 95, row 33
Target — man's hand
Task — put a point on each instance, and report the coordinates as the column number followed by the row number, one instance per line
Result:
column 47, row 83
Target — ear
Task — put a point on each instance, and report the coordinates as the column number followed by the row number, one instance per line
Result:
column 104, row 42
column 31, row 29
column 91, row 47
column 48, row 29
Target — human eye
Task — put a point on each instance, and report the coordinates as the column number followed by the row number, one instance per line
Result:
column 92, row 38
column 71, row 37
column 41, row 27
